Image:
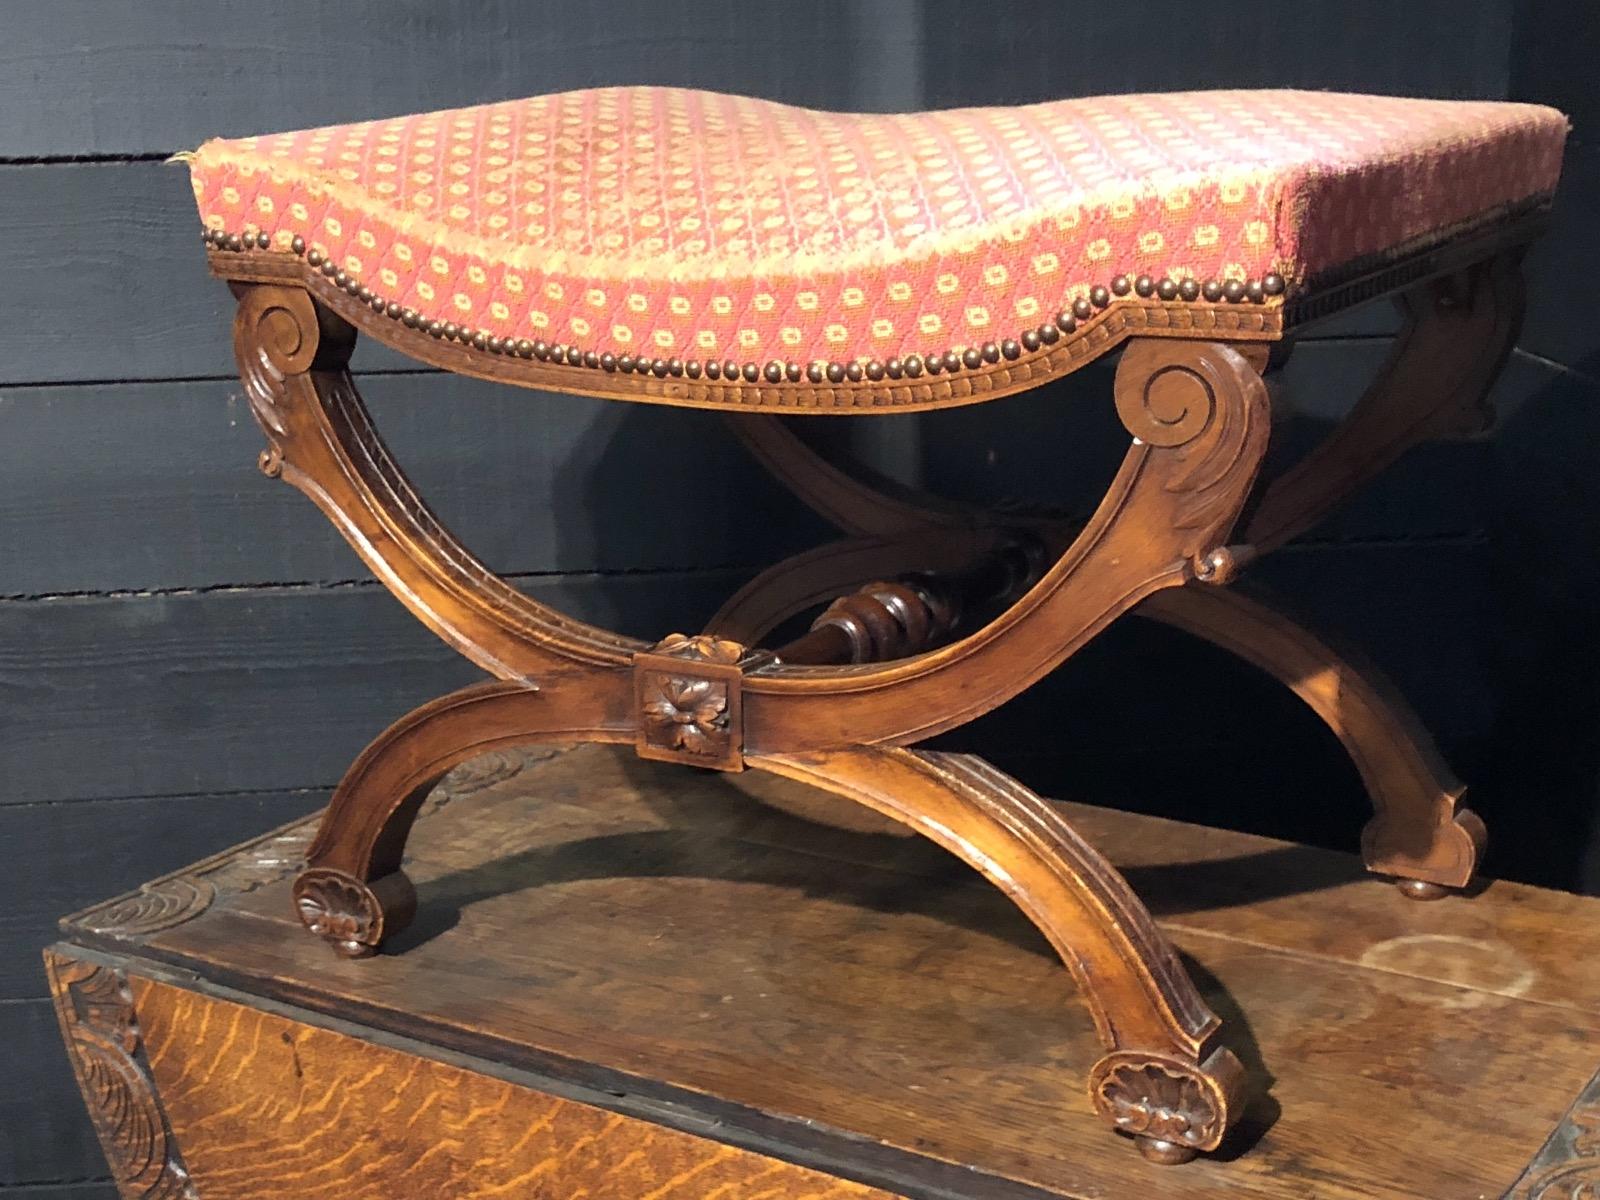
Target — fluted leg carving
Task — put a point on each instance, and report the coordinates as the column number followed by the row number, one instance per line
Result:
column 292, row 356
column 1166, row 1078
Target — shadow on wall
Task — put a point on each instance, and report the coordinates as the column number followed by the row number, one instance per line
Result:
column 1539, row 789
column 678, row 484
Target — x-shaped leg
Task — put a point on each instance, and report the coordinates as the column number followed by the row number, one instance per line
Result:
column 1458, row 331
column 1199, row 415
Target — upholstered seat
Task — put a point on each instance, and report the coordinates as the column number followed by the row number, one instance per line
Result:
column 655, row 223
column 686, row 248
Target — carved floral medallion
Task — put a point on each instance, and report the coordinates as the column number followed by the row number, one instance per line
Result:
column 687, row 714
column 1151, row 1098
column 688, row 707
column 340, row 910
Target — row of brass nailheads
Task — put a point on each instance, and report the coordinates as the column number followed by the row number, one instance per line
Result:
column 1233, row 291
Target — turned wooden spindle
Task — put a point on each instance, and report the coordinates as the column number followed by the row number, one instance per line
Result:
column 898, row 618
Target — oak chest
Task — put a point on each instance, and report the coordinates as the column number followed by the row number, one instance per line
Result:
column 630, row 981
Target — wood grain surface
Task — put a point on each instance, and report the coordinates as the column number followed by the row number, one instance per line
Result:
column 108, row 288
column 254, row 1097
column 161, row 488
column 307, row 67
column 751, row 953
column 133, row 836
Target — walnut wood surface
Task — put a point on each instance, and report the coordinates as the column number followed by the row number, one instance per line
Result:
column 1147, row 1012
column 1198, row 413
column 292, row 359
column 814, row 577
column 1197, row 410
column 742, row 953
column 316, row 1097
column 1421, row 830
column 1459, row 329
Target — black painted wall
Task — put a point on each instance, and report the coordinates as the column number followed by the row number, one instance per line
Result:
column 188, row 654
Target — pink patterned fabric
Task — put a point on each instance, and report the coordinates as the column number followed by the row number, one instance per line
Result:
column 666, row 222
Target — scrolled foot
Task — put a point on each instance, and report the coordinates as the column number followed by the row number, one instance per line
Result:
column 1174, row 1109
column 351, row 916
column 1429, row 860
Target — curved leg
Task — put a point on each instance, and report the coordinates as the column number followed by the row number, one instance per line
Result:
column 1421, row 833
column 352, row 892
column 1458, row 331
column 292, row 355
column 1165, row 1077
column 1199, row 415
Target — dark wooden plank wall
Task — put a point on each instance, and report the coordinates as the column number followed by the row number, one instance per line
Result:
column 188, row 654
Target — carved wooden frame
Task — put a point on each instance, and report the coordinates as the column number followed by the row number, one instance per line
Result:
column 1457, row 332
column 878, row 673
column 95, row 1009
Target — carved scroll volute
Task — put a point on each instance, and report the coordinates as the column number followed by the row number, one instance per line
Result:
column 1205, row 405
column 278, row 333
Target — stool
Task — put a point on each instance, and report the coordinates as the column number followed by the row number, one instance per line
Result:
column 688, row 248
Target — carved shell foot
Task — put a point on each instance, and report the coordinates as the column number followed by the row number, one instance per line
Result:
column 351, row 916
column 1174, row 1109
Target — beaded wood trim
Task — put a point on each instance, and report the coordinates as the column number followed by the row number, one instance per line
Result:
column 1233, row 310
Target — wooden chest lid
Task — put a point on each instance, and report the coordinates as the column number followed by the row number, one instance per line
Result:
column 745, row 958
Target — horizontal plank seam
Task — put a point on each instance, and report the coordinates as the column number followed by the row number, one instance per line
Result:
column 89, row 158
column 49, row 1185
column 315, row 585
column 1177, row 926
column 1386, row 541
column 1560, row 368
column 308, row 790
column 35, row 385
column 1465, row 538
column 1353, row 338
column 43, row 998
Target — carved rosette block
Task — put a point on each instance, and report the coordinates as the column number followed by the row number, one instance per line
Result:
column 95, row 1009
column 689, row 709
column 352, row 916
column 1175, row 1109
